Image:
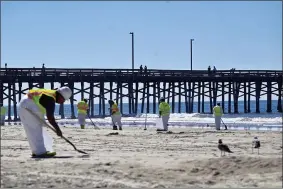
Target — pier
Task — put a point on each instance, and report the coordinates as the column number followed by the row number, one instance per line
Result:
column 149, row 86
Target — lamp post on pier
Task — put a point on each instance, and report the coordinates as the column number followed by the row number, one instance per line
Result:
column 192, row 54
column 133, row 54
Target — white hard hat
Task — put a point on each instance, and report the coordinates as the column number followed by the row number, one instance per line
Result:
column 65, row 92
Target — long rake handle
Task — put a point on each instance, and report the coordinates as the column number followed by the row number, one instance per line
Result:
column 47, row 125
column 96, row 127
column 224, row 124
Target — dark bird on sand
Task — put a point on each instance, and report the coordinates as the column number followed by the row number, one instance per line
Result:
column 256, row 144
column 223, row 147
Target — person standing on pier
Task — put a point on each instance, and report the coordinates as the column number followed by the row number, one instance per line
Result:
column 82, row 112
column 2, row 115
column 40, row 102
column 209, row 70
column 141, row 69
column 214, row 69
column 115, row 115
column 145, row 70
column 164, row 112
column 218, row 112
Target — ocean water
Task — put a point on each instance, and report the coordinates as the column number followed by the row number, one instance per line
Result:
column 263, row 107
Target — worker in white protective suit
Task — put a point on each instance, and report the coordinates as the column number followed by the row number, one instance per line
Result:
column 217, row 112
column 41, row 102
column 115, row 115
column 82, row 112
column 164, row 113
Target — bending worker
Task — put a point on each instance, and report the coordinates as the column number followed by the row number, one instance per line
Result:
column 164, row 112
column 217, row 111
column 40, row 102
column 115, row 115
column 2, row 115
column 82, row 112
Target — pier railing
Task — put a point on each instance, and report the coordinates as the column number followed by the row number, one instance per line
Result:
column 55, row 72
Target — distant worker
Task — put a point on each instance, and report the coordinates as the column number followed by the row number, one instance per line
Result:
column 164, row 112
column 82, row 112
column 218, row 112
column 40, row 102
column 115, row 115
column 2, row 115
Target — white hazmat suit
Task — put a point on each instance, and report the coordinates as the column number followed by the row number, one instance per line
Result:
column 39, row 140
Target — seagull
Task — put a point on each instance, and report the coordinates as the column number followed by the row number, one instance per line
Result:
column 223, row 147
column 256, row 144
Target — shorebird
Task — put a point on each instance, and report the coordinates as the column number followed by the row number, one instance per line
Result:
column 255, row 144
column 223, row 147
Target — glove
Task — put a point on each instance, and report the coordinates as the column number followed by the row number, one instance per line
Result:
column 59, row 133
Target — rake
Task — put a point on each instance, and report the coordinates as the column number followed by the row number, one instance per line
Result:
column 48, row 126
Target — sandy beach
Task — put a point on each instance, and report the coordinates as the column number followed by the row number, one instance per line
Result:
column 137, row 158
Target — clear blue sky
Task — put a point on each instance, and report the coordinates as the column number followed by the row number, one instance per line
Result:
column 244, row 35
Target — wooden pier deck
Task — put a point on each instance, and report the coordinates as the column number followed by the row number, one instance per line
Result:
column 149, row 86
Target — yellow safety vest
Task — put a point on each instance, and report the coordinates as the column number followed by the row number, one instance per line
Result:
column 82, row 107
column 115, row 109
column 217, row 111
column 164, row 108
column 3, row 110
column 35, row 95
